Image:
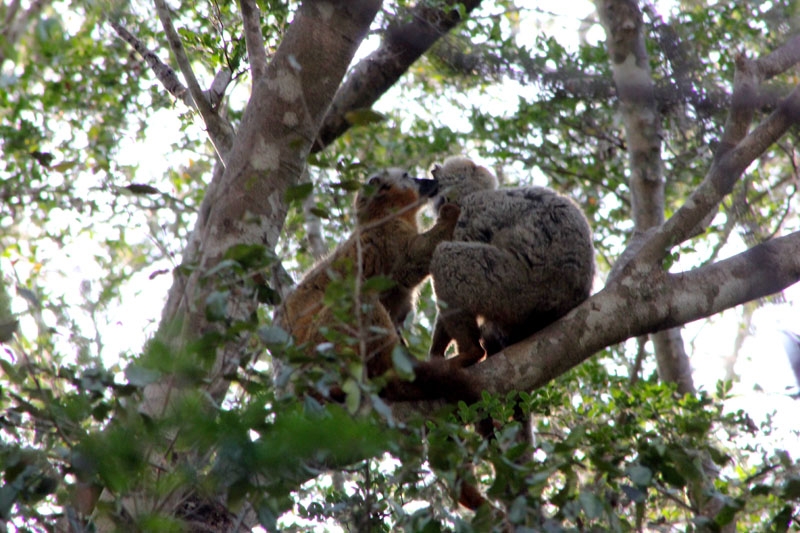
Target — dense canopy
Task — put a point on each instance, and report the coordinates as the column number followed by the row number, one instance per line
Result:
column 170, row 170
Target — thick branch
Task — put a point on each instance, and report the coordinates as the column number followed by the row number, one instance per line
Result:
column 780, row 60
column 632, row 307
column 246, row 205
column 373, row 76
column 631, row 67
column 251, row 19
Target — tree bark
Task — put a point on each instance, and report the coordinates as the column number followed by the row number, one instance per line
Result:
column 245, row 203
column 630, row 64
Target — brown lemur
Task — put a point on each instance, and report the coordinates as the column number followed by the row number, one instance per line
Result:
column 520, row 259
column 386, row 242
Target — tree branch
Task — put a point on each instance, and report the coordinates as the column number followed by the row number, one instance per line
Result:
column 402, row 45
column 725, row 171
column 251, row 19
column 633, row 78
column 163, row 72
column 16, row 23
column 246, row 203
column 780, row 60
column 219, row 131
column 631, row 307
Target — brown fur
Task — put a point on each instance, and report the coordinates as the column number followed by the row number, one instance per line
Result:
column 386, row 243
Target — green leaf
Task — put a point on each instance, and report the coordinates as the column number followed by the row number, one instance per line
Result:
column 141, row 188
column 217, row 306
column 352, row 395
column 403, row 362
column 791, row 489
column 636, row 495
column 320, row 212
column 298, row 193
column 249, row 256
column 378, row 284
column 347, row 185
column 364, row 117
column 640, row 475
column 781, row 521
column 728, row 512
column 7, row 330
column 141, row 376
column 591, row 504
column 273, row 336
column 64, row 166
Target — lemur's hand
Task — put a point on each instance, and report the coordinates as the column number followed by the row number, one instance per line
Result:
column 449, row 213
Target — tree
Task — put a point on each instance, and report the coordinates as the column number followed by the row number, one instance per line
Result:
column 291, row 122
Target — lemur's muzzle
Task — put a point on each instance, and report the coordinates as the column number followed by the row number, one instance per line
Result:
column 427, row 187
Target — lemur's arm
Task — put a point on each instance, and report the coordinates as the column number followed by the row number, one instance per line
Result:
column 414, row 264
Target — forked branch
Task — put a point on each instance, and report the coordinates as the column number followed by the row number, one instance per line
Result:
column 219, row 131
column 738, row 151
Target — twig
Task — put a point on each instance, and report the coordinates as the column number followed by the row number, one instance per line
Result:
column 221, row 133
column 163, row 72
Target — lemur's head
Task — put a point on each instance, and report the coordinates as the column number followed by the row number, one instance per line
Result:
column 393, row 191
column 459, row 176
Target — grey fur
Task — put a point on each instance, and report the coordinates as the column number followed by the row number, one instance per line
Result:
column 520, row 259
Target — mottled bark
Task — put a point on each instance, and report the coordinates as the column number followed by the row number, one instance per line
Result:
column 245, row 201
column 245, row 205
column 636, row 90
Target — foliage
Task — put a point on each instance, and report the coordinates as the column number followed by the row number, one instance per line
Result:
column 613, row 450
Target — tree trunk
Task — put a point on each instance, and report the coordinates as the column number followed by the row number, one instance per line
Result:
column 245, row 202
column 630, row 64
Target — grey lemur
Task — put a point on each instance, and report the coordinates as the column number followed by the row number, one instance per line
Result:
column 520, row 259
